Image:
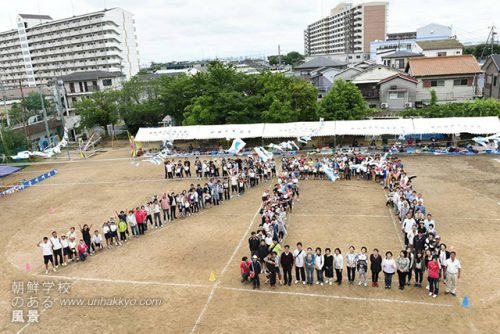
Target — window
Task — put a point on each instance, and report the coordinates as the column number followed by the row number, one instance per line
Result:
column 396, row 95
column 437, row 83
column 495, row 81
column 71, row 87
column 106, row 82
column 442, row 54
column 460, row 82
column 400, row 63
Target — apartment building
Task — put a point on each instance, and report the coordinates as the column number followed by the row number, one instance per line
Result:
column 40, row 48
column 348, row 30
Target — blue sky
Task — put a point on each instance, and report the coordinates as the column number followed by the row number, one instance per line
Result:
column 194, row 29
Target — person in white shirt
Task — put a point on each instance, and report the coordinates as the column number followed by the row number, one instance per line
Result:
column 132, row 222
column 299, row 255
column 66, row 250
column 97, row 240
column 408, row 224
column 389, row 268
column 47, row 254
column 453, row 269
column 319, row 262
column 429, row 221
column 338, row 265
column 57, row 249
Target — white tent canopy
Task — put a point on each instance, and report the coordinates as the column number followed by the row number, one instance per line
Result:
column 451, row 125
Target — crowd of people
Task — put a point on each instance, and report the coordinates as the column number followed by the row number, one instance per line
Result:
column 224, row 180
column 424, row 253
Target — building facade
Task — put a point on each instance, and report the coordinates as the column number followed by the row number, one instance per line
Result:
column 407, row 41
column 491, row 70
column 453, row 78
column 40, row 48
column 347, row 30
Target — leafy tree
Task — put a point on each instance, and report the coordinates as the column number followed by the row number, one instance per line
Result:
column 147, row 114
column 434, row 97
column 489, row 107
column 293, row 58
column 99, row 109
column 13, row 142
column 343, row 102
column 16, row 114
column 482, row 49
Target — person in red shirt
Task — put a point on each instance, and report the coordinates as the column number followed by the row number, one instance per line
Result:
column 245, row 272
column 82, row 250
column 433, row 268
column 140, row 216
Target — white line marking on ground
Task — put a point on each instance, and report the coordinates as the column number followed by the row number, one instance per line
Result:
column 480, row 194
column 210, row 296
column 29, row 323
column 364, row 299
column 395, row 226
column 121, row 281
column 337, row 215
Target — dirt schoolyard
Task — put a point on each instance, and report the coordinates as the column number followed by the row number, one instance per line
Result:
column 173, row 264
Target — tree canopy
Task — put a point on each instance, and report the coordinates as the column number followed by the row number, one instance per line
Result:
column 220, row 95
column 343, row 102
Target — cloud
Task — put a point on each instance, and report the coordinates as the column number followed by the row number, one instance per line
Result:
column 194, row 29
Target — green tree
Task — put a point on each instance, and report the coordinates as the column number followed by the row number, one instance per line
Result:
column 16, row 114
column 293, row 58
column 13, row 142
column 489, row 107
column 343, row 102
column 482, row 50
column 434, row 97
column 99, row 109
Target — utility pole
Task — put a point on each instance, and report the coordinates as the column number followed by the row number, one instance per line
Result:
column 279, row 57
column 23, row 107
column 493, row 33
column 47, row 132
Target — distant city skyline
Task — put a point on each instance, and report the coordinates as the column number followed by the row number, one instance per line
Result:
column 195, row 29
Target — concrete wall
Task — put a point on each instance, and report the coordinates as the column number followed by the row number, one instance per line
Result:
column 128, row 38
column 374, row 24
column 447, row 93
column 491, row 90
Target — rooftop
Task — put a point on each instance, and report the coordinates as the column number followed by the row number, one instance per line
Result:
column 319, row 62
column 399, row 75
column 34, row 16
column 495, row 59
column 90, row 75
column 440, row 44
column 403, row 54
column 437, row 66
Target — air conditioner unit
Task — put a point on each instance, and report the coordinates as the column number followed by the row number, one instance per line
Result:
column 409, row 105
column 384, row 105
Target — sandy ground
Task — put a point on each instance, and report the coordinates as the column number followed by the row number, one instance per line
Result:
column 174, row 263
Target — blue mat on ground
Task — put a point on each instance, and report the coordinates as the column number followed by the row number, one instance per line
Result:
column 7, row 170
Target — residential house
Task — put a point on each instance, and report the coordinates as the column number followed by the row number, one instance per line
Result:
column 368, row 79
column 317, row 63
column 491, row 70
column 397, row 92
column 323, row 79
column 399, row 59
column 453, row 78
column 81, row 84
column 439, row 48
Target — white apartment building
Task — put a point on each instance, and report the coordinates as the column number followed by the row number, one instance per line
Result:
column 348, row 29
column 40, row 48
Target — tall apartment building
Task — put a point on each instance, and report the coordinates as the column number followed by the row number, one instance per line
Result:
column 348, row 30
column 41, row 48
